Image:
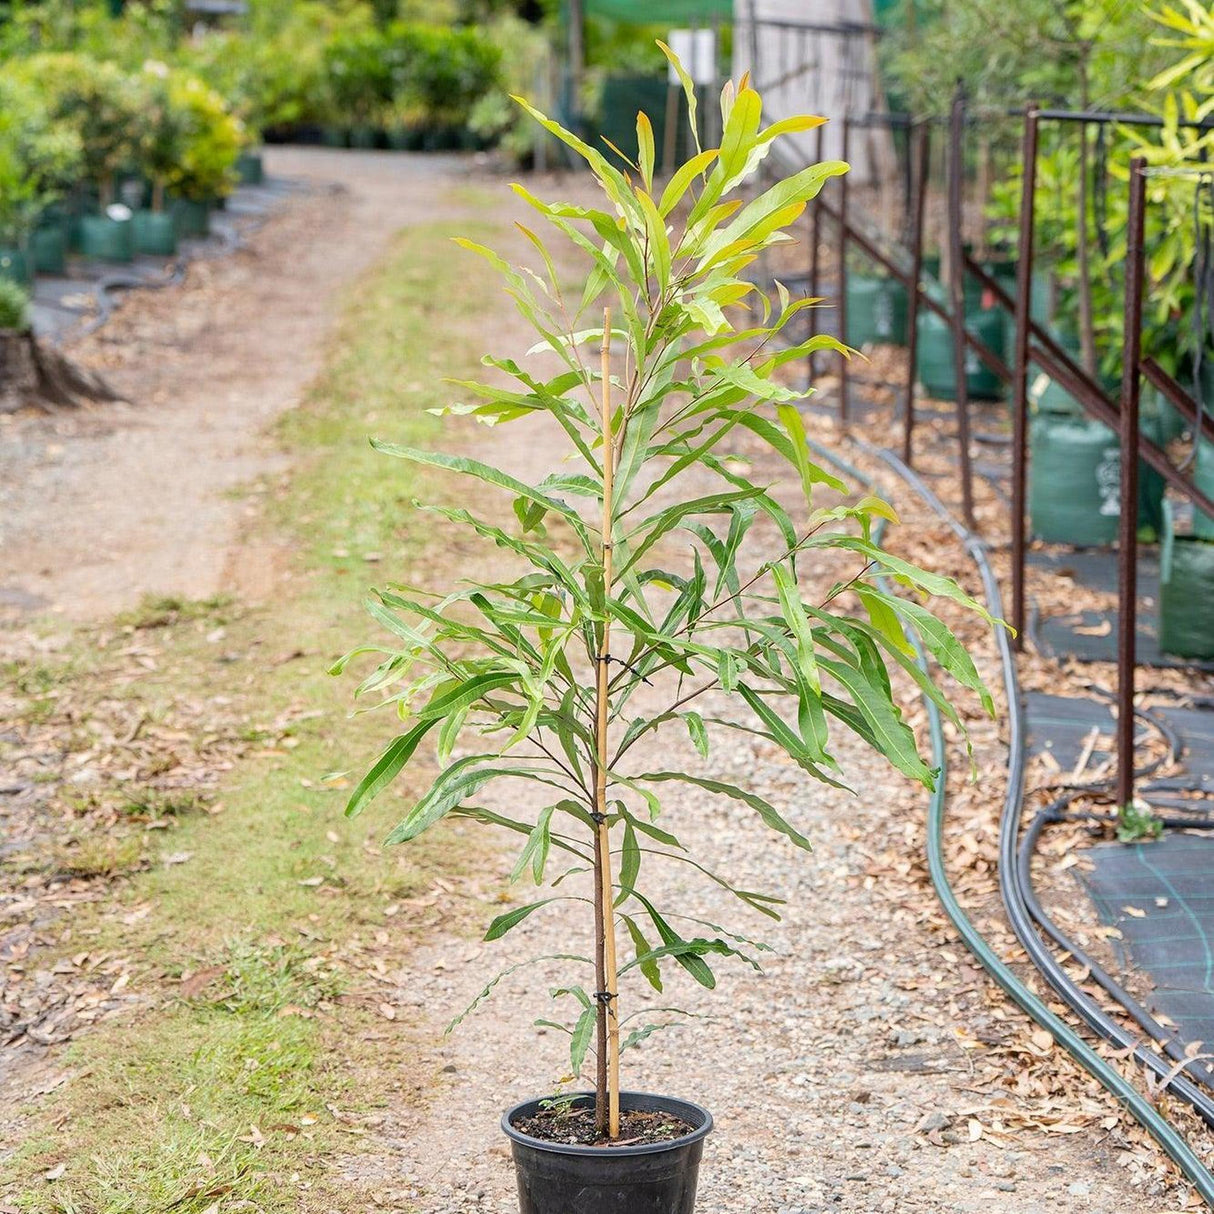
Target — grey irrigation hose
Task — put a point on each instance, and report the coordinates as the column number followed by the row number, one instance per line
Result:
column 1111, row 1079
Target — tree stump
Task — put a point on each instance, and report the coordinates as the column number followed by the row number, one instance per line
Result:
column 34, row 374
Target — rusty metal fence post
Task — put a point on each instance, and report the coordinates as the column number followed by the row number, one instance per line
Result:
column 1020, row 372
column 922, row 151
column 956, row 175
column 1127, row 550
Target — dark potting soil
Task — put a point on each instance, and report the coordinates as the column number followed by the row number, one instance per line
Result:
column 575, row 1127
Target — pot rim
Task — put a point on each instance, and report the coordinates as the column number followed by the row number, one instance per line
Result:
column 684, row 1108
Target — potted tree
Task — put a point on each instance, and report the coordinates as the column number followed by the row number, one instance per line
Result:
column 162, row 136
column 38, row 157
column 532, row 683
column 103, row 104
column 209, row 142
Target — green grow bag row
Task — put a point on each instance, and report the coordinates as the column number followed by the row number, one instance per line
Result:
column 250, row 168
column 15, row 265
column 1186, row 593
column 193, row 218
column 877, row 309
column 48, row 248
column 934, row 363
column 1075, row 483
column 107, row 239
column 155, row 233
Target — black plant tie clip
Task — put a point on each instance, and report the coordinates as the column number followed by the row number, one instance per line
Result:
column 604, row 997
column 626, row 665
column 598, row 818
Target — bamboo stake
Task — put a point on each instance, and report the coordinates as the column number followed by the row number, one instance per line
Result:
column 602, row 707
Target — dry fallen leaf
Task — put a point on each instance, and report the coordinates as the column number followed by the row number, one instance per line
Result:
column 193, row 986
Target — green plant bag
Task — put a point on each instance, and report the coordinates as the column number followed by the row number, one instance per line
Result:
column 1074, row 481
column 193, row 218
column 15, row 265
column 1186, row 598
column 935, row 356
column 250, row 168
column 1203, row 477
column 107, row 239
column 48, row 248
column 876, row 310
column 155, row 233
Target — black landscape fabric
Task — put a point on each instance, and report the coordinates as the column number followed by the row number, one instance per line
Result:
column 1160, row 896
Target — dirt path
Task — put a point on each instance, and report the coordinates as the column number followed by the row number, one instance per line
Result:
column 102, row 507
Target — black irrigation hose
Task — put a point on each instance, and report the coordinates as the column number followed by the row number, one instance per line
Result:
column 230, row 240
column 104, row 288
column 1113, row 1080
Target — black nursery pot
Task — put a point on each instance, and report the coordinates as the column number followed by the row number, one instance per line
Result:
column 658, row 1178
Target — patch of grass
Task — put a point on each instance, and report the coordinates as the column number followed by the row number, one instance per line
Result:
column 197, row 1106
column 150, row 804
column 100, row 855
column 226, row 1096
column 162, row 611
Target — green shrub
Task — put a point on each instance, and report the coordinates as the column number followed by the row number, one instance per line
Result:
column 100, row 102
column 146, row 30
column 199, row 139
column 494, row 118
column 39, row 157
column 284, row 77
column 440, row 73
column 358, row 77
column 14, row 305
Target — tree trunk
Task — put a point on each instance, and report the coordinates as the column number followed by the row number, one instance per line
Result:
column 18, row 371
column 34, row 375
column 607, row 1094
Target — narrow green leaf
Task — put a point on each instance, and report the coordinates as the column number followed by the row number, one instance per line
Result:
column 579, row 1042
column 630, row 865
column 645, row 149
column 386, row 768
column 699, row 735
column 512, row 918
column 649, row 968
column 765, row 810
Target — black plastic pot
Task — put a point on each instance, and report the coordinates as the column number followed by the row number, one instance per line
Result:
column 659, row 1178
